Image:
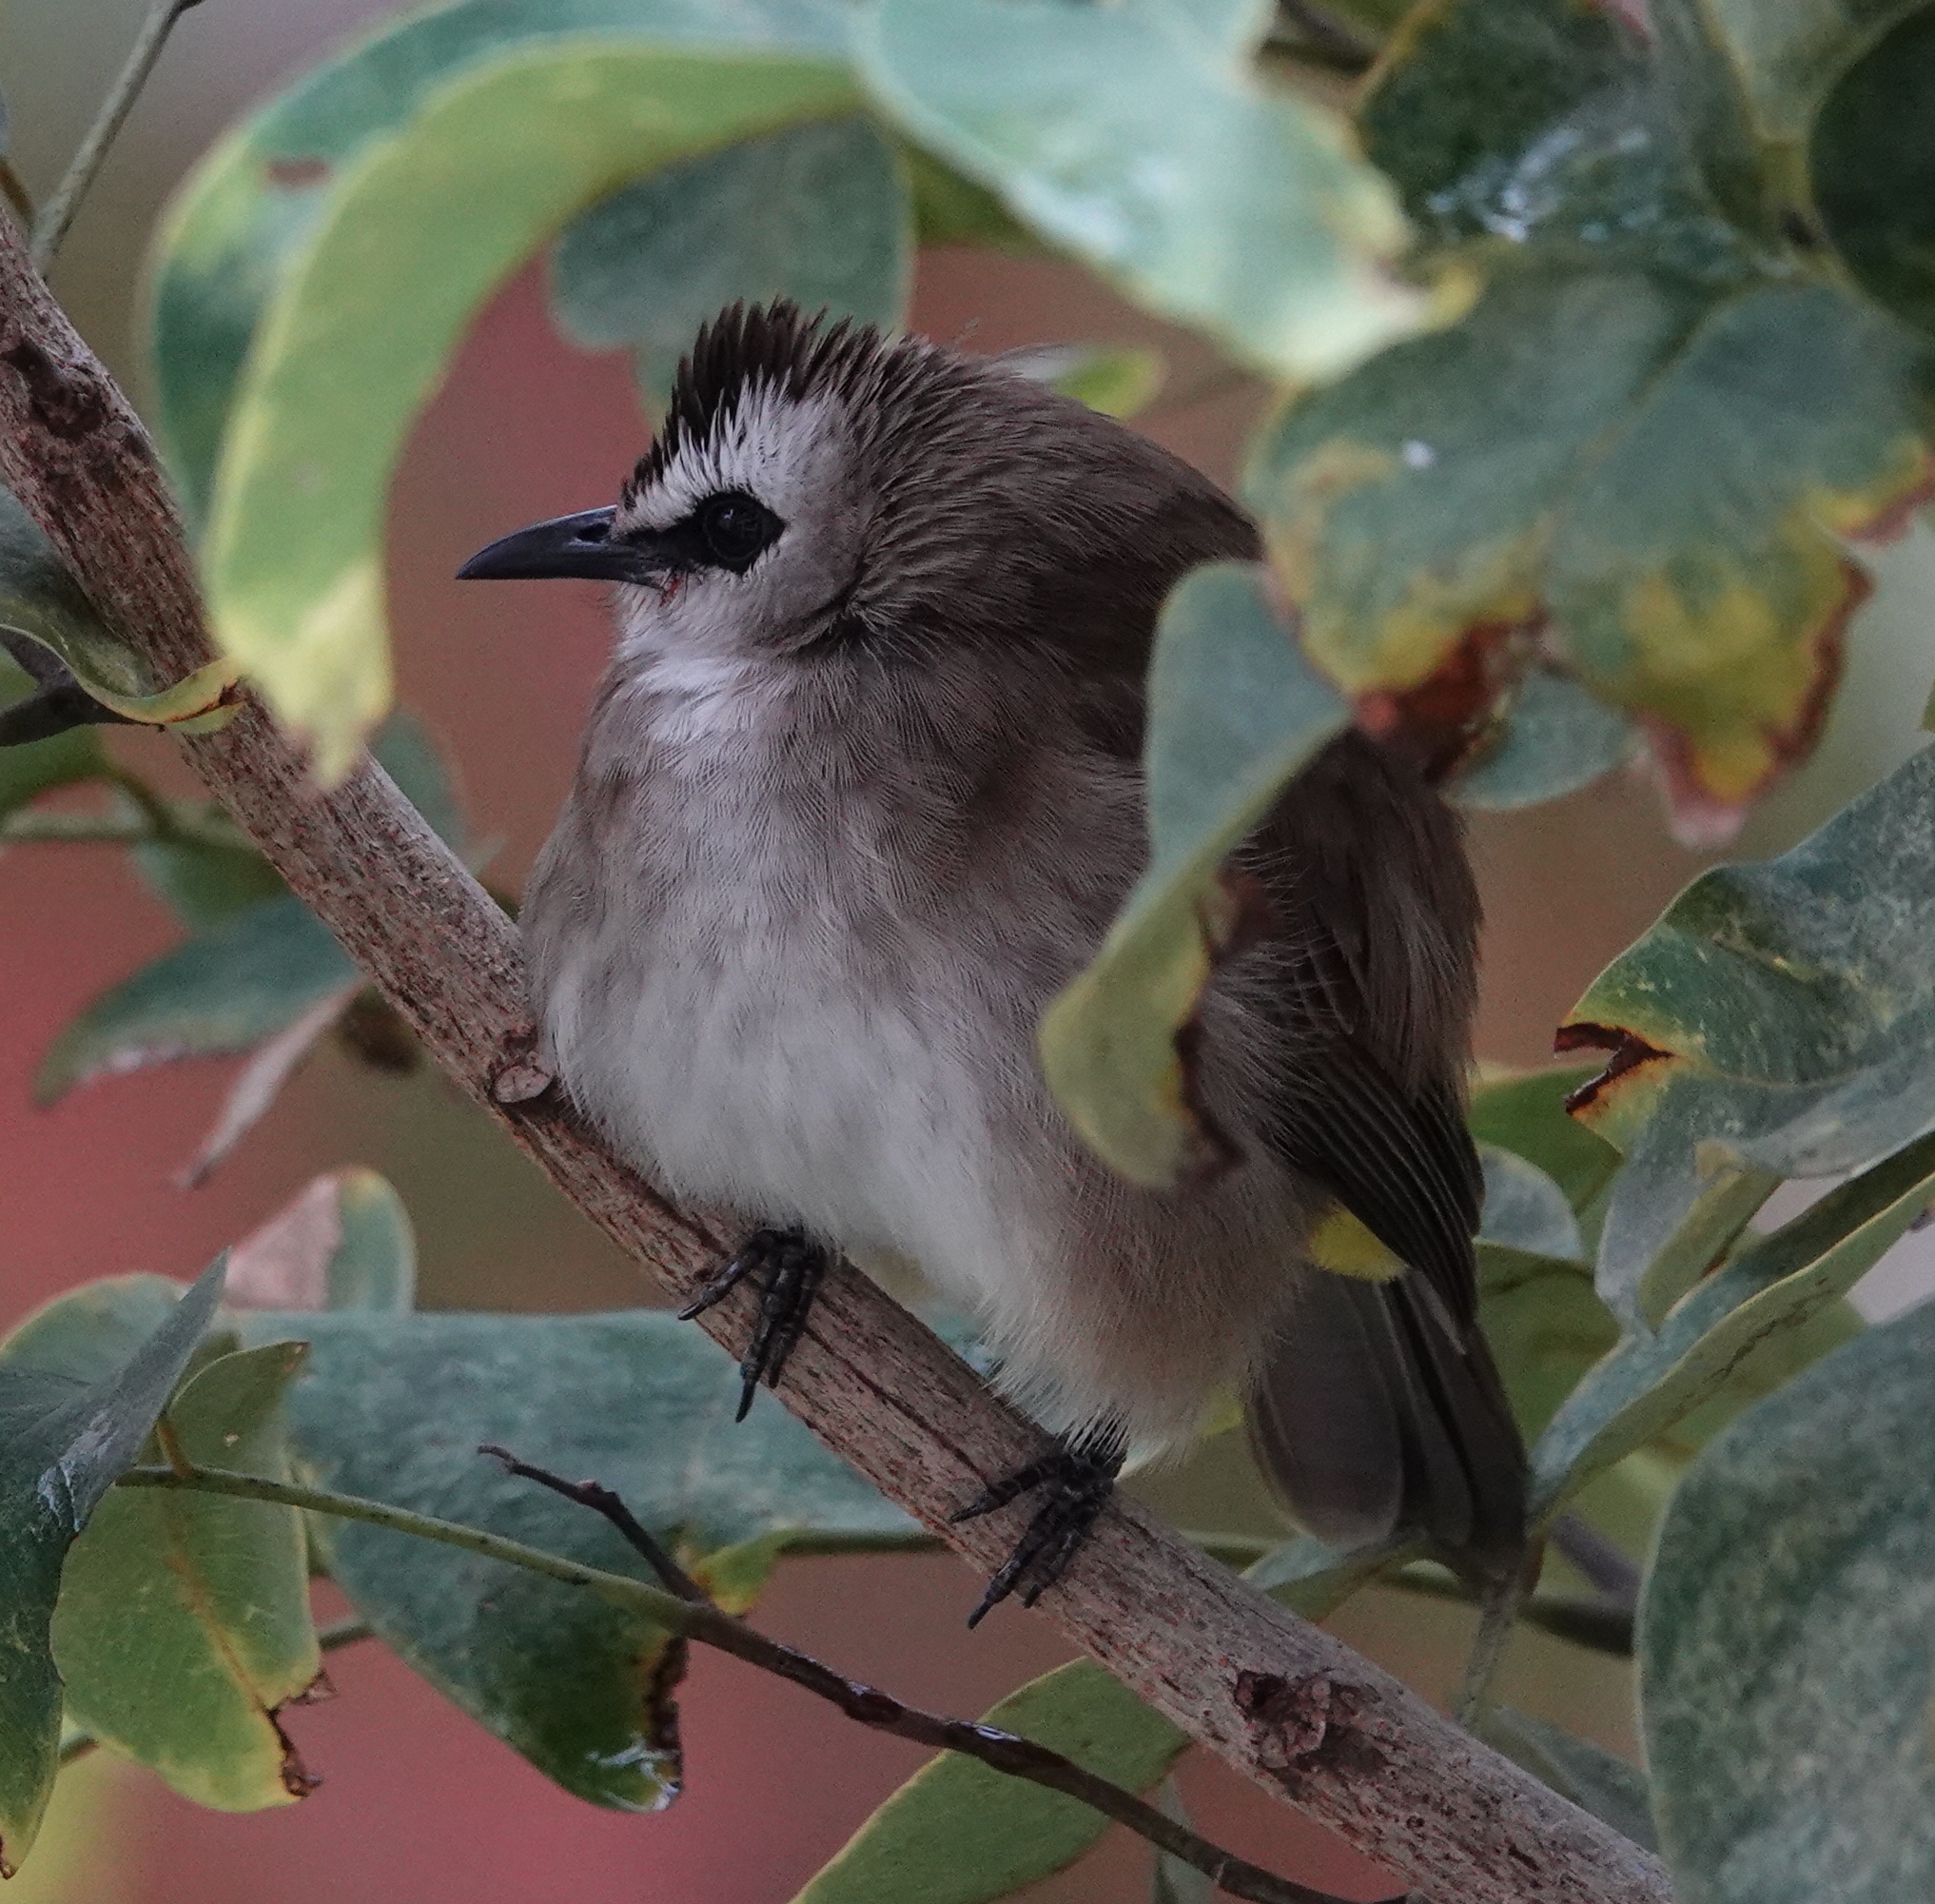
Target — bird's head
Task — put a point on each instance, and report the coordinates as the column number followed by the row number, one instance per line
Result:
column 819, row 486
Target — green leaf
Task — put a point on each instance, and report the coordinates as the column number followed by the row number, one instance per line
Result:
column 1175, row 1882
column 1873, row 173
column 1557, row 738
column 1782, row 1641
column 1648, row 439
column 245, row 217
column 1524, row 1208
column 960, row 1833
column 1119, row 383
column 345, row 1243
column 1779, row 1019
column 1313, row 1580
column 1735, row 1332
column 949, row 209
column 393, row 1406
column 1137, row 138
column 37, row 767
column 1233, row 713
column 222, row 992
column 1785, row 58
column 408, row 241
column 205, row 883
column 1546, row 1327
column 1590, row 1776
column 40, row 599
column 62, row 1443
column 1662, row 476
column 817, row 213
column 1524, row 1111
column 184, row 1618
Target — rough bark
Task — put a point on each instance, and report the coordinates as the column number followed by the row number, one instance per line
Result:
column 1275, row 1696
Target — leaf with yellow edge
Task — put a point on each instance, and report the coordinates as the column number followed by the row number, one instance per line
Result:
column 1640, row 451
column 1234, row 713
column 184, row 1618
column 408, row 241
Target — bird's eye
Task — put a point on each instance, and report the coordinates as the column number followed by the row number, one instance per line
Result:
column 736, row 528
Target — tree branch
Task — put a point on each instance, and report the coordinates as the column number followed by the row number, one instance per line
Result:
column 1278, row 1698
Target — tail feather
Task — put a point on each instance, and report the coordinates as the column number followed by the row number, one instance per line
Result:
column 1375, row 1415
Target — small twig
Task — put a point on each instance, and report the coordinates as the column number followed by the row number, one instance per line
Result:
column 343, row 1632
column 701, row 1621
column 1603, row 1564
column 52, row 225
column 600, row 1500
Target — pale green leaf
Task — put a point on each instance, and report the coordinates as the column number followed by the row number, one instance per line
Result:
column 1137, row 137
column 1524, row 1208
column 219, row 993
column 1609, row 1787
column 1556, row 739
column 1234, row 711
column 1783, row 1642
column 1708, row 1343
column 246, row 215
column 408, row 241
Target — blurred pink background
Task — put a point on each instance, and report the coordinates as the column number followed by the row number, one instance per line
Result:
column 418, row 1804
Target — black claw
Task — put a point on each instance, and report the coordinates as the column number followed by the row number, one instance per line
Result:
column 1077, row 1478
column 789, row 1269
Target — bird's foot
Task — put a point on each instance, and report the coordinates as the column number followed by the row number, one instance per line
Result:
column 1076, row 1481
column 788, row 1270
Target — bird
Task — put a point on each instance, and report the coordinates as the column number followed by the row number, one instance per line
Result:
column 860, row 791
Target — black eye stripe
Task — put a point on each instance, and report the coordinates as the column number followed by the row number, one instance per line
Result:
column 729, row 530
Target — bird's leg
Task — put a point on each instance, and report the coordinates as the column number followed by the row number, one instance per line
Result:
column 788, row 1268
column 1076, row 1481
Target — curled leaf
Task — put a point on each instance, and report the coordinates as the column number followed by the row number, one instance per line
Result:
column 1234, row 711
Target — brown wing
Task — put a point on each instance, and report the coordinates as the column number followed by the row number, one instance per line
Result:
column 1379, row 1408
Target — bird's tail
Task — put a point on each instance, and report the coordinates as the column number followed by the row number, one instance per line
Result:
column 1376, row 1416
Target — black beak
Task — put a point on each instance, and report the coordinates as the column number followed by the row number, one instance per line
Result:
column 570, row 545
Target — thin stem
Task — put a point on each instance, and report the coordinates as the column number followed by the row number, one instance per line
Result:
column 16, row 194
column 701, row 1620
column 52, row 225
column 1595, row 1624
column 338, row 1633
column 1497, row 1614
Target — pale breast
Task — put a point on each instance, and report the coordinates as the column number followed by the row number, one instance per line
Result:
column 802, row 979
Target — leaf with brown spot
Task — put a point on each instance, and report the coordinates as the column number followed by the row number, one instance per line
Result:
column 184, row 1618
column 394, row 1408
column 1778, row 1019
column 69, row 1428
column 1645, row 442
